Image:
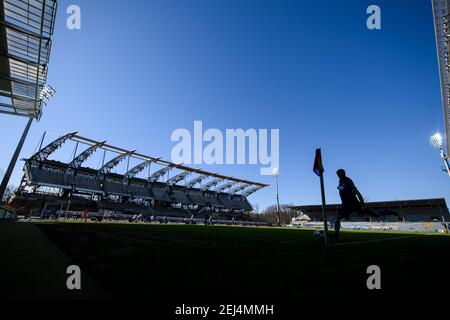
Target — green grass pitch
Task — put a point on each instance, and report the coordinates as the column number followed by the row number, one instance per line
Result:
column 200, row 263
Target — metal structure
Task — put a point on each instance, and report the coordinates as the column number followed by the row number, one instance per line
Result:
column 106, row 168
column 225, row 186
column 179, row 177
column 276, row 172
column 239, row 188
column 196, row 181
column 82, row 157
column 436, row 142
column 127, row 191
column 161, row 173
column 43, row 154
column 441, row 15
column 26, row 27
column 211, row 184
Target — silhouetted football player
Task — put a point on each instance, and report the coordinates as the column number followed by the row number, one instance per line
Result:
column 352, row 200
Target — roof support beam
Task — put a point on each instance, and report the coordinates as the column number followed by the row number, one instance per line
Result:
column 250, row 191
column 239, row 188
column 225, row 186
column 195, row 181
column 45, row 152
column 178, row 178
column 158, row 174
column 82, row 157
column 211, row 184
column 107, row 167
column 137, row 169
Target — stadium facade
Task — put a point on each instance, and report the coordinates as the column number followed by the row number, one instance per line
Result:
column 441, row 15
column 426, row 210
column 169, row 190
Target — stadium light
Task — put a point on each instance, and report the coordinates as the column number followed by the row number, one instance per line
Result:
column 46, row 93
column 436, row 141
column 44, row 96
column 276, row 172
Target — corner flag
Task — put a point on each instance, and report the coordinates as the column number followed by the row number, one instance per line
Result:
column 318, row 169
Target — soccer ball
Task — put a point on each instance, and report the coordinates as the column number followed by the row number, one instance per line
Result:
column 318, row 235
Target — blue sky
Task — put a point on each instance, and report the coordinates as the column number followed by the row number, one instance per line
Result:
column 369, row 99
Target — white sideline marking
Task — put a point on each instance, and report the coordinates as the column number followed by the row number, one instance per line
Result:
column 376, row 240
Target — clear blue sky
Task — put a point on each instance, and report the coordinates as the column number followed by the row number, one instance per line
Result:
column 138, row 70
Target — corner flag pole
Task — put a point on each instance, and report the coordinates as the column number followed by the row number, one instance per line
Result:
column 324, row 211
column 318, row 169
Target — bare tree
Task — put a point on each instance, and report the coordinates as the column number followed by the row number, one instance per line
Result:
column 9, row 192
column 270, row 214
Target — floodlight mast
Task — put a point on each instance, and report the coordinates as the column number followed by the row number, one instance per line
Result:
column 12, row 163
column 45, row 95
column 276, row 172
column 436, row 142
column 26, row 88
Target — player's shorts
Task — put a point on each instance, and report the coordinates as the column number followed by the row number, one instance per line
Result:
column 347, row 209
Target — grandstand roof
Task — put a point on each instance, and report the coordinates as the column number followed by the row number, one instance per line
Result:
column 217, row 181
column 441, row 11
column 26, row 27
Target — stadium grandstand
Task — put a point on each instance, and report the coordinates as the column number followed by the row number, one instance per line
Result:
column 426, row 210
column 151, row 188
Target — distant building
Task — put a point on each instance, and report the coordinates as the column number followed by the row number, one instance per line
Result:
column 426, row 210
column 300, row 219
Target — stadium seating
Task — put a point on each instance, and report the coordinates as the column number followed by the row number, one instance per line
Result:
column 51, row 185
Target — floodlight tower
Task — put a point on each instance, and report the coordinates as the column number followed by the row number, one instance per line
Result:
column 45, row 95
column 276, row 172
column 436, row 141
column 26, row 28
